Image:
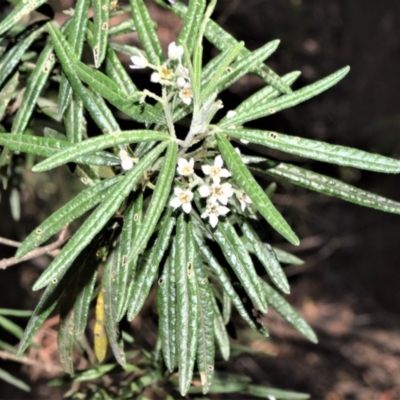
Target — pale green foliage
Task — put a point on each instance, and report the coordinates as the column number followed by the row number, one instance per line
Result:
column 188, row 198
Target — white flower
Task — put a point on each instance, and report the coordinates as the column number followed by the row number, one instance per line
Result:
column 181, row 82
column 155, row 77
column 139, row 62
column 221, row 192
column 204, row 190
column 186, row 94
column 182, row 199
column 230, row 114
column 175, row 52
column 213, row 211
column 244, row 200
column 182, row 71
column 126, row 161
column 216, row 171
column 185, row 167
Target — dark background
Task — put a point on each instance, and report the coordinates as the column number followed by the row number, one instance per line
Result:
column 348, row 289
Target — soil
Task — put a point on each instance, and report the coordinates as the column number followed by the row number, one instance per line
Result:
column 348, row 287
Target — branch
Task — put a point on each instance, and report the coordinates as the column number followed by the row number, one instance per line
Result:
column 7, row 262
column 5, row 355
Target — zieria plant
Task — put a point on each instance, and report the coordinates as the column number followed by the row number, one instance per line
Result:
column 174, row 202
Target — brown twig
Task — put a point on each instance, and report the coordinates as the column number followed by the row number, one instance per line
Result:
column 8, row 262
column 5, row 355
column 8, row 242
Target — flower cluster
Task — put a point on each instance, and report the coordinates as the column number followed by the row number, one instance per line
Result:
column 212, row 188
column 170, row 73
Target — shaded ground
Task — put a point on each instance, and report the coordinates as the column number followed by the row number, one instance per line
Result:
column 348, row 289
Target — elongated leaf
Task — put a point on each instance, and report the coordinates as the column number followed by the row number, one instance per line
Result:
column 166, row 307
column 246, row 181
column 317, row 150
column 15, row 313
column 145, row 29
column 147, row 274
column 65, row 337
column 267, row 257
column 186, row 305
column 226, row 284
column 283, row 308
column 287, row 101
column 100, row 339
column 221, row 335
column 100, row 31
column 124, row 27
column 194, row 16
column 157, row 202
column 287, row 258
column 97, row 219
column 226, row 308
column 11, row 327
column 116, row 71
column 35, row 84
column 12, row 57
column 75, row 37
column 331, row 187
column 205, row 341
column 83, row 202
column 132, row 222
column 110, row 290
column 238, row 258
column 7, row 93
column 96, row 144
column 23, row 8
column 12, row 380
column 278, row 394
column 75, row 124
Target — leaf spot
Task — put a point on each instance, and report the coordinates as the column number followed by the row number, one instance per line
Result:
column 273, row 135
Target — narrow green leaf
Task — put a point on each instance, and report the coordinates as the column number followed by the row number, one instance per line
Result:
column 100, row 32
column 331, row 187
column 75, row 37
column 278, row 394
column 287, row 101
column 226, row 308
column 287, row 258
column 283, row 308
column 96, row 144
column 205, row 341
column 147, row 274
column 86, row 280
column 186, row 305
column 116, row 71
column 192, row 21
column 35, row 84
column 12, row 57
column 240, row 261
column 247, row 182
column 15, row 313
column 158, row 201
column 65, row 337
column 97, row 219
column 81, row 203
column 124, row 27
column 227, row 286
column 8, row 92
column 145, row 29
column 166, row 307
column 110, row 290
column 221, row 335
column 12, row 380
column 75, row 124
column 132, row 222
column 23, row 8
column 316, row 150
column 267, row 257
column 11, row 327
